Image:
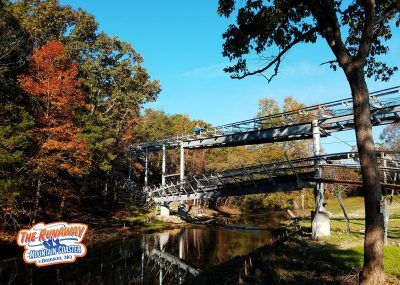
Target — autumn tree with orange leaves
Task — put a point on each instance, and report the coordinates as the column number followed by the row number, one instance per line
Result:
column 61, row 153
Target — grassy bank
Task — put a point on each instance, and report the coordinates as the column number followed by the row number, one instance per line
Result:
column 351, row 244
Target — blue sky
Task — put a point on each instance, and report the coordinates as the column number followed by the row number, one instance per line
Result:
column 181, row 44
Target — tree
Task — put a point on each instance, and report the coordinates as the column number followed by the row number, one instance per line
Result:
column 61, row 153
column 355, row 32
column 269, row 107
column 390, row 137
column 155, row 124
column 112, row 78
column 15, row 119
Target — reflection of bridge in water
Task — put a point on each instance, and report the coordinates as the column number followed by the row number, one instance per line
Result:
column 311, row 122
column 169, row 257
column 167, row 262
column 179, row 255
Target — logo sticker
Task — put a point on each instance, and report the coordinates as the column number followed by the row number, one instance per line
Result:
column 55, row 243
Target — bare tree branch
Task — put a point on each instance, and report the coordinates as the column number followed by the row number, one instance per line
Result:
column 277, row 59
column 276, row 69
column 329, row 62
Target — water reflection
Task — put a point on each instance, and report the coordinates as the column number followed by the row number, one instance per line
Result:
column 169, row 257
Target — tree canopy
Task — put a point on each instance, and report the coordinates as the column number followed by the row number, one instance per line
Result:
column 267, row 31
column 75, row 105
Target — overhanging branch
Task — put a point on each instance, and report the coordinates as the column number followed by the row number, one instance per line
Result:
column 329, row 62
column 276, row 68
column 390, row 11
column 277, row 59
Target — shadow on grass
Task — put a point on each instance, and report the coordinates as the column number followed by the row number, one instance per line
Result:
column 394, row 233
column 395, row 216
column 296, row 262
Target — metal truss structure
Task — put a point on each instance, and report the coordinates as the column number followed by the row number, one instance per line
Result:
column 283, row 176
column 292, row 125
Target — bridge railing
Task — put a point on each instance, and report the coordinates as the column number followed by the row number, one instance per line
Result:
column 336, row 168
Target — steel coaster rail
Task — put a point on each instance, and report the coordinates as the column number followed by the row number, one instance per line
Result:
column 324, row 111
column 346, row 102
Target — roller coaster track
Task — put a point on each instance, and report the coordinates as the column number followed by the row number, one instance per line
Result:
column 281, row 176
column 332, row 117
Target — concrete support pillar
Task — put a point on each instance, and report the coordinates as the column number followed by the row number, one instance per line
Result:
column 163, row 239
column 146, row 168
column 142, row 263
column 163, row 165
column 164, row 210
column 320, row 217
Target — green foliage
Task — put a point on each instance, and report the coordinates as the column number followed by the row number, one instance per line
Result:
column 112, row 79
column 156, row 124
column 355, row 31
column 15, row 134
column 15, row 119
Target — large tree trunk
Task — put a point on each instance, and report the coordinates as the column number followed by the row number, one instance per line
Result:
column 373, row 272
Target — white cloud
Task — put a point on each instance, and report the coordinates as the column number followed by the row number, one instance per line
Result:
column 210, row 71
column 304, row 68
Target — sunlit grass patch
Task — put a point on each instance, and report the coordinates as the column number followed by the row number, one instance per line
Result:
column 353, row 206
column 355, row 209
column 353, row 257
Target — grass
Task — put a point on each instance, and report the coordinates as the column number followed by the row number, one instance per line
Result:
column 296, row 262
column 355, row 210
column 354, row 206
column 354, row 258
column 350, row 245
